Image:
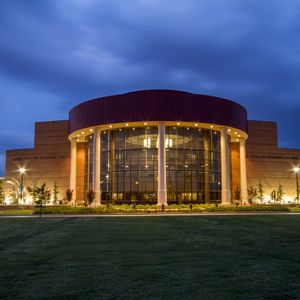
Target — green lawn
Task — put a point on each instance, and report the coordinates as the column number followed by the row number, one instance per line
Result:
column 211, row 257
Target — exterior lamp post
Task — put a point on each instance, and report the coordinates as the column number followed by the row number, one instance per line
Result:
column 22, row 171
column 296, row 170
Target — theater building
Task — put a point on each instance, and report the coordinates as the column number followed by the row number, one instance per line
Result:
column 156, row 146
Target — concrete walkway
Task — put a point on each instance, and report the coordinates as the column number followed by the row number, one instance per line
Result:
column 152, row 215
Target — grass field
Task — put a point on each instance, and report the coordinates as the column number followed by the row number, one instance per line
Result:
column 215, row 257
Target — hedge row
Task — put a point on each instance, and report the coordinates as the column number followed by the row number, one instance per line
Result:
column 182, row 208
column 16, row 211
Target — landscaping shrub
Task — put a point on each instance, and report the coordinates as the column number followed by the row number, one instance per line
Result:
column 16, row 212
column 183, row 208
column 257, row 208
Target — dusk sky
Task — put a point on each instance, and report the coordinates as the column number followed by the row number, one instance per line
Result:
column 55, row 54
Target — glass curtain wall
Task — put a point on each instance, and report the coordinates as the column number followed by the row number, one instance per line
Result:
column 193, row 165
column 129, row 165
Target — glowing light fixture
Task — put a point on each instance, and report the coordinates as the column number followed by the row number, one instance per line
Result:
column 296, row 170
column 169, row 143
column 147, row 143
column 22, row 170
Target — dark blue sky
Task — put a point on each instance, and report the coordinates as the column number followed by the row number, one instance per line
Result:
column 57, row 53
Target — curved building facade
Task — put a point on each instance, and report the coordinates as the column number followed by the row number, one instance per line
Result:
column 158, row 146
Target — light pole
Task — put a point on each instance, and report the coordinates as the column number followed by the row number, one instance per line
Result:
column 296, row 170
column 22, row 171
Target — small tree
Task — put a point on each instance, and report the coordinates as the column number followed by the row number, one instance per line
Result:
column 237, row 194
column 69, row 195
column 279, row 193
column 34, row 186
column 273, row 195
column 55, row 193
column 89, row 198
column 42, row 195
column 32, row 191
column 252, row 194
column 260, row 192
column 2, row 194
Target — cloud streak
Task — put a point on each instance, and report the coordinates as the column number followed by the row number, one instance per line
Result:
column 55, row 54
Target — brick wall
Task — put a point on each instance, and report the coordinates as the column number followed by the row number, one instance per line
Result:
column 267, row 162
column 48, row 161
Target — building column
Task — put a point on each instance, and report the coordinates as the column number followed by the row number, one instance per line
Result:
column 225, row 181
column 243, row 172
column 207, row 166
column 96, row 165
column 162, row 178
column 73, row 169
